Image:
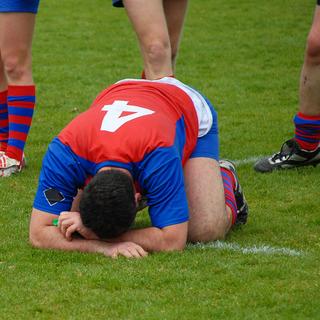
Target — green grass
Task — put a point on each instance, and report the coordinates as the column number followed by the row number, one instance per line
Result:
column 246, row 56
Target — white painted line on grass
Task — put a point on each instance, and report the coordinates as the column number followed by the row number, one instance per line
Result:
column 264, row 249
column 249, row 160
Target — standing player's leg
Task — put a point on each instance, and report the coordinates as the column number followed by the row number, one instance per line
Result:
column 304, row 148
column 307, row 120
column 16, row 30
column 310, row 75
column 149, row 22
column 175, row 12
column 4, row 125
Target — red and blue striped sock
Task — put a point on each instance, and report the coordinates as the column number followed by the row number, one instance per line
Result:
column 229, row 186
column 307, row 131
column 21, row 103
column 4, row 124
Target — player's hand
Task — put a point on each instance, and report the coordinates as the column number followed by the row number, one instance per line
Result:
column 70, row 222
column 126, row 249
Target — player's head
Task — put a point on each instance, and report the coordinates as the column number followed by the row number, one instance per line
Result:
column 108, row 204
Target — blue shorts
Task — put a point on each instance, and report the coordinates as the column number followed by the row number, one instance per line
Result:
column 19, row 6
column 117, row 3
column 208, row 145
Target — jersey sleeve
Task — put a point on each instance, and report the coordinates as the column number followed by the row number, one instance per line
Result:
column 162, row 178
column 59, row 180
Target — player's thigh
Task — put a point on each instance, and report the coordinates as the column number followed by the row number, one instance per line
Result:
column 175, row 11
column 16, row 31
column 205, row 193
column 148, row 20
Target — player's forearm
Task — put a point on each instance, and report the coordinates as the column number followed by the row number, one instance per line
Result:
column 51, row 238
column 154, row 239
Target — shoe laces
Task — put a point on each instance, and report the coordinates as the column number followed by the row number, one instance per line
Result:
column 287, row 149
column 279, row 156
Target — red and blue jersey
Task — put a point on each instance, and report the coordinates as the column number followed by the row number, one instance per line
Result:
column 150, row 128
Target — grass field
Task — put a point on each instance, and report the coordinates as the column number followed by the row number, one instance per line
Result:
column 246, row 56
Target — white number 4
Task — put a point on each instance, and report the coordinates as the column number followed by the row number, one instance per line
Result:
column 113, row 120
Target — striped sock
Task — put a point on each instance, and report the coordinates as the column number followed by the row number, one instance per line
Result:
column 21, row 103
column 4, row 124
column 229, row 186
column 307, row 131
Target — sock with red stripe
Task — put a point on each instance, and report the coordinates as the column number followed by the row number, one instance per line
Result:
column 307, row 131
column 4, row 124
column 229, row 186
column 21, row 103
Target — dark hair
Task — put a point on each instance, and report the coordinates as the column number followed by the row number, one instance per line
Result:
column 108, row 205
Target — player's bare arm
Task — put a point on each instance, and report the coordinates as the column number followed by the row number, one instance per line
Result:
column 151, row 239
column 154, row 239
column 44, row 235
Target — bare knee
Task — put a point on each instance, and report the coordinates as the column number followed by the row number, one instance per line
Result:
column 313, row 48
column 17, row 67
column 157, row 51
